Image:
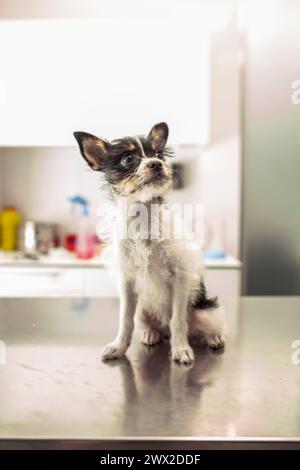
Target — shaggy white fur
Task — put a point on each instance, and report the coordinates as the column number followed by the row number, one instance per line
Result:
column 158, row 280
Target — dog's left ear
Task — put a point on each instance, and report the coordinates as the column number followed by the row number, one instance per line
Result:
column 158, row 136
column 93, row 149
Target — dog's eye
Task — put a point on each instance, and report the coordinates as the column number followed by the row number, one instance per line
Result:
column 159, row 154
column 127, row 159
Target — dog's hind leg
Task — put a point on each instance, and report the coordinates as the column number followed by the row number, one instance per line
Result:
column 210, row 323
column 207, row 318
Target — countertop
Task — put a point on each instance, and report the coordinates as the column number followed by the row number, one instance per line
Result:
column 67, row 260
column 57, row 393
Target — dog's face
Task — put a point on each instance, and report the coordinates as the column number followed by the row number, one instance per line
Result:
column 133, row 166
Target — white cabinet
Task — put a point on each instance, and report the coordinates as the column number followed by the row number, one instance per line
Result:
column 40, row 282
column 99, row 283
column 93, row 282
column 109, row 76
column 225, row 283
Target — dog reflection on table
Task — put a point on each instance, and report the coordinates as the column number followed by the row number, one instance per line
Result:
column 162, row 395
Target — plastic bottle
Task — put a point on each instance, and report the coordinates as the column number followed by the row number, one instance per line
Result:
column 215, row 249
column 85, row 244
column 9, row 222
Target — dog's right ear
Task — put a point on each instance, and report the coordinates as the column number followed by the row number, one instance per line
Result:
column 93, row 149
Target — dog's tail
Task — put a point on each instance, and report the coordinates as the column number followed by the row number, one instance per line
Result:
column 203, row 302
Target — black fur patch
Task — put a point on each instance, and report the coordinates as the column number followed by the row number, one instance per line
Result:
column 203, row 302
column 113, row 168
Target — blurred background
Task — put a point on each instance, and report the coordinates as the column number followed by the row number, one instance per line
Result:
column 224, row 74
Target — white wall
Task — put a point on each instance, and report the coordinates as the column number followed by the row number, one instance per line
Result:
column 221, row 161
column 214, row 173
column 39, row 180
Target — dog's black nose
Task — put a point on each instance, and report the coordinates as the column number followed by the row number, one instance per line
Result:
column 155, row 166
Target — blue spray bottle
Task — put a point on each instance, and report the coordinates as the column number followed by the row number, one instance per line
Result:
column 85, row 246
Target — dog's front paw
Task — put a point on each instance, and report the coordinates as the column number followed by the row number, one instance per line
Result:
column 183, row 355
column 216, row 342
column 113, row 350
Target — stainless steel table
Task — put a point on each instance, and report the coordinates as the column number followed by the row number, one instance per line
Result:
column 55, row 392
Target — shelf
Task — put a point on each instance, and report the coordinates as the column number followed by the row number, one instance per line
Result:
column 13, row 260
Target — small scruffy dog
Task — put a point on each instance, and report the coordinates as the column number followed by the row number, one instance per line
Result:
column 161, row 278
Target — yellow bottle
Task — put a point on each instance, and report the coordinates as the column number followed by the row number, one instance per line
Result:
column 9, row 222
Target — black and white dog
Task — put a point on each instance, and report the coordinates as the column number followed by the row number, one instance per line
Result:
column 161, row 278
